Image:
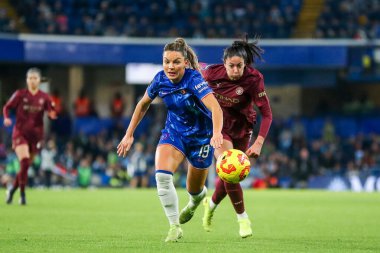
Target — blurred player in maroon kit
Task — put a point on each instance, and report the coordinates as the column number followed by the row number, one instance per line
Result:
column 237, row 87
column 29, row 105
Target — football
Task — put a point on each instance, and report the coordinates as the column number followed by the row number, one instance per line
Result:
column 233, row 166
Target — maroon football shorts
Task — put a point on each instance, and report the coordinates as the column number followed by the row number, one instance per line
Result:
column 34, row 143
column 241, row 143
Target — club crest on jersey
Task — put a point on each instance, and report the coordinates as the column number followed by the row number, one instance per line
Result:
column 183, row 92
column 239, row 90
column 41, row 101
column 25, row 100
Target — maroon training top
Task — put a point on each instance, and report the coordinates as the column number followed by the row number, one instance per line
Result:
column 29, row 112
column 237, row 99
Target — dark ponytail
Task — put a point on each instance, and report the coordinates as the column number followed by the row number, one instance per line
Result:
column 241, row 48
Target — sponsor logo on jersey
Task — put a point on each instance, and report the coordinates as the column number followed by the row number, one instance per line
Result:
column 222, row 98
column 201, row 86
column 32, row 108
column 163, row 93
column 239, row 90
column 262, row 94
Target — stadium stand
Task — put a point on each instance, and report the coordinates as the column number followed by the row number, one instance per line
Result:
column 141, row 18
column 349, row 19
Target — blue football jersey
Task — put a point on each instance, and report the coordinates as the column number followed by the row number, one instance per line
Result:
column 187, row 115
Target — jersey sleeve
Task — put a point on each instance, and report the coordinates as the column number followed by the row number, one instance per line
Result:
column 262, row 102
column 152, row 89
column 199, row 87
column 49, row 105
column 258, row 91
column 12, row 103
column 205, row 70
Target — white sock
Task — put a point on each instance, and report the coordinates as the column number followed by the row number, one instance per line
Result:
column 196, row 199
column 168, row 196
column 243, row 215
column 212, row 205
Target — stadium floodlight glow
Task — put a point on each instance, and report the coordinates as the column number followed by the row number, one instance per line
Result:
column 141, row 73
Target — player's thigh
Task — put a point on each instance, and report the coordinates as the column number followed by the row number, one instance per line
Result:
column 227, row 144
column 196, row 179
column 168, row 158
column 242, row 143
column 22, row 151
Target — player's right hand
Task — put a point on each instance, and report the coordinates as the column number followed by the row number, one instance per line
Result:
column 216, row 140
column 124, row 145
column 7, row 122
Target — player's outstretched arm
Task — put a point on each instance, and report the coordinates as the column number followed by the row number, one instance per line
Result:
column 140, row 110
column 11, row 103
column 266, row 121
column 217, row 119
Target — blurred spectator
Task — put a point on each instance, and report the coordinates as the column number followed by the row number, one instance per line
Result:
column 84, row 172
column 48, row 155
column 57, row 100
column 82, row 105
column 328, row 132
column 304, row 168
column 138, row 167
column 117, row 106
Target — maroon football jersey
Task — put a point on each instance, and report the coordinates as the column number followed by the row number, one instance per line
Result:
column 237, row 98
column 29, row 111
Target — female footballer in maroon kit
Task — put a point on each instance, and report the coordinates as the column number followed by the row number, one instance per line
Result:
column 238, row 87
column 29, row 105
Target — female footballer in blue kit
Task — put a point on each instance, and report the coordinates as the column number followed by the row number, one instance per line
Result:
column 192, row 130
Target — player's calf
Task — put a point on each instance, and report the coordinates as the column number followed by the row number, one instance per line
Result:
column 9, row 196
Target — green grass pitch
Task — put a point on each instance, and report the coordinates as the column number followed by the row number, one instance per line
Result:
column 125, row 220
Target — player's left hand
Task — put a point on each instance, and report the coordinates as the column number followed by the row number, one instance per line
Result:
column 255, row 150
column 7, row 122
column 124, row 145
column 216, row 140
column 52, row 114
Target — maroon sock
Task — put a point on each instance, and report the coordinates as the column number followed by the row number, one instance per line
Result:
column 23, row 174
column 235, row 193
column 16, row 183
column 219, row 193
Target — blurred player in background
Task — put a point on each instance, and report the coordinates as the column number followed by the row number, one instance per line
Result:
column 238, row 87
column 192, row 130
column 29, row 105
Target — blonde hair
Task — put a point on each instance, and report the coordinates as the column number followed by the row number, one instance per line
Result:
column 180, row 45
column 34, row 70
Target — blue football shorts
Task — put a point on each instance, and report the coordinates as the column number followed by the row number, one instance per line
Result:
column 197, row 150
